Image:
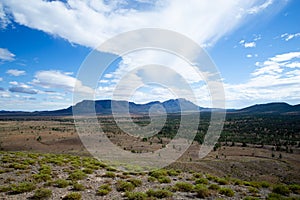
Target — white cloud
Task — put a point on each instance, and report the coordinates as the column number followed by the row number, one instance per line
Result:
column 15, row 72
column 1, row 79
column 89, row 23
column 249, row 44
column 13, row 83
column 249, row 55
column 4, row 20
column 59, row 80
column 275, row 79
column 6, row 55
column 261, row 7
column 285, row 57
column 288, row 37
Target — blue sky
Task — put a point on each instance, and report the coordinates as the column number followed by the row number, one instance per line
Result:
column 254, row 44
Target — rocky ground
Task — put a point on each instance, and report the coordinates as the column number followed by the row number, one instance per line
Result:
column 25, row 175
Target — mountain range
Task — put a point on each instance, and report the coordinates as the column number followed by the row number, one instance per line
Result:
column 106, row 107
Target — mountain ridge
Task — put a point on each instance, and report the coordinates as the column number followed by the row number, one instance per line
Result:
column 104, row 107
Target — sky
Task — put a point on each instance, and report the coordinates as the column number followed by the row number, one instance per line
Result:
column 254, row 44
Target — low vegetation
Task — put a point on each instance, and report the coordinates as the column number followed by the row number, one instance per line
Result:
column 67, row 174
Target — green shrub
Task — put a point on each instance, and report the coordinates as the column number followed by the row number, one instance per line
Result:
column 164, row 179
column 202, row 191
column 265, row 184
column 5, row 188
column 160, row 193
column 238, row 182
column 40, row 177
column 173, row 172
column 77, row 175
column 88, row 170
column 221, row 181
column 214, row 187
column 61, row 183
column 151, row 179
column 197, row 175
column 78, row 187
column 253, row 190
column 22, row 187
column 103, row 190
column 274, row 196
column 158, row 173
column 136, row 195
column 42, row 193
column 227, row 192
column 211, row 177
column 72, row 196
column 18, row 166
column 135, row 182
column 201, row 181
column 45, row 169
column 281, row 189
column 109, row 175
column 183, row 187
column 295, row 188
column 124, row 186
column 251, row 198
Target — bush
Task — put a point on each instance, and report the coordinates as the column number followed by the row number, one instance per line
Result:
column 201, row 181
column 77, row 175
column 42, row 193
column 61, row 183
column 265, row 184
column 72, row 196
column 173, row 172
column 281, row 189
column 136, row 195
column 222, row 181
column 274, row 196
column 135, row 182
column 197, row 175
column 124, row 186
column 226, row 191
column 183, row 187
column 214, row 187
column 202, row 191
column 251, row 198
column 158, row 173
column 5, row 188
column 45, row 169
column 78, row 187
column 253, row 190
column 109, row 175
column 88, row 170
column 22, row 187
column 160, row 193
column 40, row 177
column 104, row 190
column 164, row 179
column 151, row 179
column 295, row 188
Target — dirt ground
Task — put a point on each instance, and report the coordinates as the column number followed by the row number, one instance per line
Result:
column 247, row 163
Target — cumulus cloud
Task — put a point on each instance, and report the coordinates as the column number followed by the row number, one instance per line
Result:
column 59, row 80
column 15, row 72
column 5, row 54
column 275, row 79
